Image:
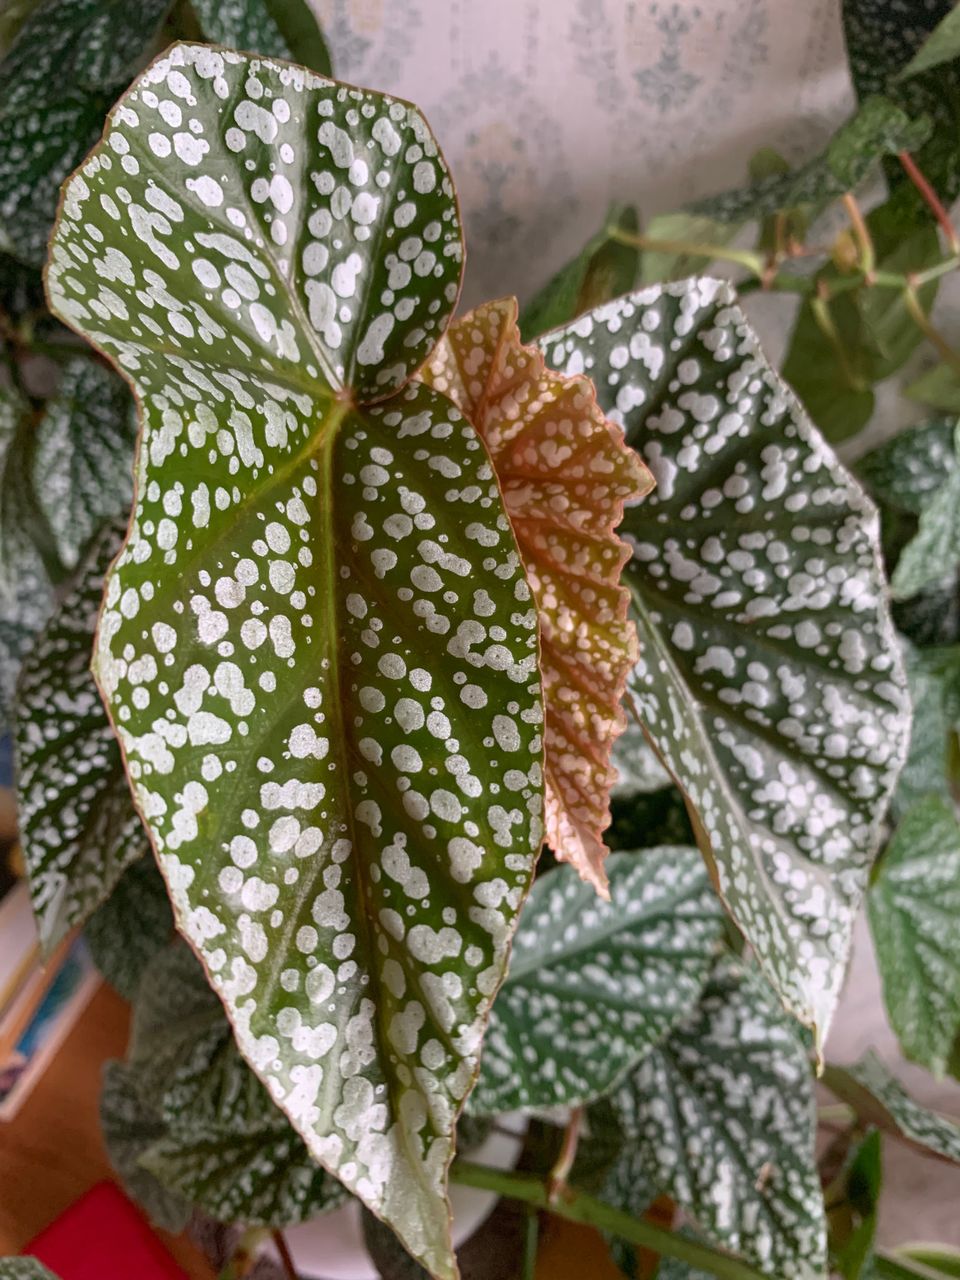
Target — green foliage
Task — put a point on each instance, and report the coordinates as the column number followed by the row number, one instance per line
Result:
column 78, row 827
column 277, row 28
column 602, row 270
column 721, row 1118
column 878, row 1098
column 295, row 521
column 24, row 1269
column 913, row 904
column 939, row 388
column 593, row 985
column 880, row 47
column 189, row 1124
column 853, row 1215
column 942, row 45
column 936, row 546
column 131, row 927
column 879, row 128
column 759, row 635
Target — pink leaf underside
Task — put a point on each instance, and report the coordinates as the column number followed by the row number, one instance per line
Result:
column 565, row 472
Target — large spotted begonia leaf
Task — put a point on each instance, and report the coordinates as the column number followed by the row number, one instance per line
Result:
column 594, row 985
column 318, row 645
column 769, row 676
column 78, row 827
column 721, row 1118
column 565, row 474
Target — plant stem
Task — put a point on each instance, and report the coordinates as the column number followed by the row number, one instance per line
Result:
column 744, row 257
column 280, row 1244
column 931, row 333
column 890, row 1266
column 531, row 1244
column 568, row 1153
column 932, row 199
column 868, row 258
column 577, row 1206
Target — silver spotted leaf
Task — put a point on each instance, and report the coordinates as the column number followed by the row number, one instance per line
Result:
column 130, row 1126
column 65, row 67
column 82, row 461
column 279, row 28
column 593, row 985
column 913, row 906
column 770, row 679
column 78, row 827
column 880, row 1099
column 721, row 1118
column 24, row 1269
column 219, row 1140
column 318, row 644
column 131, row 927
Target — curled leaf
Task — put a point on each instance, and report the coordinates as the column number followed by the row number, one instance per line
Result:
column 565, row 474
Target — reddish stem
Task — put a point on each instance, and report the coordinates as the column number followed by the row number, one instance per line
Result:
column 932, row 199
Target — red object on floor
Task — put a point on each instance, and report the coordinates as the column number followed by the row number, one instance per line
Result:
column 103, row 1236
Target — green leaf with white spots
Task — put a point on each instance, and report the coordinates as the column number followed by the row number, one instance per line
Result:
column 935, row 547
column 770, row 678
column 277, row 28
column 218, row 1139
column 82, row 462
column 877, row 128
column 24, row 1269
column 25, row 590
column 878, row 1098
column 318, row 645
column 914, row 905
column 721, row 1118
column 78, row 827
column 130, row 1126
column 639, row 768
column 63, row 71
column 131, row 927
column 593, row 985
column 907, row 471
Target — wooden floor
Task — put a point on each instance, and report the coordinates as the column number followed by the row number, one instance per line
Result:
column 53, row 1152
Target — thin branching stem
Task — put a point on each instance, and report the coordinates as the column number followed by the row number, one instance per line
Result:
column 933, row 201
column 577, row 1206
column 868, row 257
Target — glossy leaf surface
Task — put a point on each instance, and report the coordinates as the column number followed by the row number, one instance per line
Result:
column 318, row 644
column 770, row 677
column 914, row 905
column 79, row 829
column 565, row 473
column 721, row 1118
column 594, row 985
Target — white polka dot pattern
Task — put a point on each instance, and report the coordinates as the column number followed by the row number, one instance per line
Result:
column 565, row 474
column 594, row 985
column 769, row 674
column 721, row 1118
column 311, row 599
column 78, row 828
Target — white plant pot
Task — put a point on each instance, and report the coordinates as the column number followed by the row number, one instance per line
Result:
column 330, row 1246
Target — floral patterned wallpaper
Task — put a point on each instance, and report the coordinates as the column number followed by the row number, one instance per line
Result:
column 549, row 109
